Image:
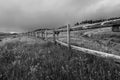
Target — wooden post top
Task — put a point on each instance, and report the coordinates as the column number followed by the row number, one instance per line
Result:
column 116, row 25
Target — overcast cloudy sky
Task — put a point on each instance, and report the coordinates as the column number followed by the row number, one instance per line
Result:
column 23, row 15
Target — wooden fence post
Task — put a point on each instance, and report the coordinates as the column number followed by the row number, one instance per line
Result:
column 30, row 33
column 42, row 34
column 39, row 34
column 45, row 34
column 68, row 35
column 54, row 39
column 33, row 34
column 36, row 34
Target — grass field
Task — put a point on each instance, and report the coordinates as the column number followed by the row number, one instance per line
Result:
column 96, row 39
column 45, row 61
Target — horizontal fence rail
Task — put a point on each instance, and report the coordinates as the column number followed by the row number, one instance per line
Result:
column 55, row 34
column 89, row 51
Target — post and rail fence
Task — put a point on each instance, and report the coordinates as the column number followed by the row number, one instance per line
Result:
column 44, row 35
column 85, row 50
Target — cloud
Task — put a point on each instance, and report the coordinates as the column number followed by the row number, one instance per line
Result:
column 22, row 15
column 103, row 8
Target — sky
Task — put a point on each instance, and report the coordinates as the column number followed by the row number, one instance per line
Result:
column 26, row 15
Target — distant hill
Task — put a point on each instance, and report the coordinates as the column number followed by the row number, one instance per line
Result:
column 4, row 34
column 42, row 29
column 98, row 20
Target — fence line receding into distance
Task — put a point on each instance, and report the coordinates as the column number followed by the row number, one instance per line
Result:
column 68, row 44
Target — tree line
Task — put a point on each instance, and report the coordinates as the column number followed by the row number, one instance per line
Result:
column 95, row 21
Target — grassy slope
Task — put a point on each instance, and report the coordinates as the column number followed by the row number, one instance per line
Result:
column 45, row 61
column 100, row 39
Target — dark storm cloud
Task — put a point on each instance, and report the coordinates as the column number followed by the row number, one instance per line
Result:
column 23, row 15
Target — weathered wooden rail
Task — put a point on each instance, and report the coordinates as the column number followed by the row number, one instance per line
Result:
column 89, row 51
column 85, row 50
column 55, row 32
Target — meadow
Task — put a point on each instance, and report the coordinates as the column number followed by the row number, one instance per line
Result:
column 103, row 40
column 46, row 61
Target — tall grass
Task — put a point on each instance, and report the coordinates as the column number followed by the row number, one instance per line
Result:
column 20, row 61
